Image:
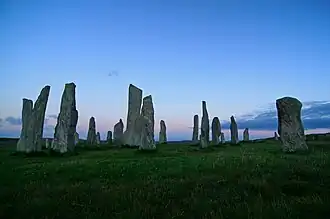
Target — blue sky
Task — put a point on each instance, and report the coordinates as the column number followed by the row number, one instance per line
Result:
column 237, row 55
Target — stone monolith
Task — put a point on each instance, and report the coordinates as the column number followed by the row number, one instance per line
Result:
column 195, row 130
column 118, row 133
column 98, row 138
column 162, row 133
column 222, row 138
column 216, row 130
column 76, row 138
column 290, row 127
column 246, row 136
column 205, row 127
column 233, row 131
column 25, row 136
column 147, row 124
column 132, row 136
column 91, row 135
column 65, row 129
column 109, row 137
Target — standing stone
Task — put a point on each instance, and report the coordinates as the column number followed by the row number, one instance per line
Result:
column 195, row 130
column 91, row 135
column 205, row 127
column 26, row 116
column 275, row 136
column 233, row 131
column 109, row 137
column 118, row 133
column 246, row 136
column 131, row 135
column 67, row 120
column 290, row 127
column 147, row 125
column 34, row 122
column 76, row 138
column 162, row 133
column 222, row 138
column 47, row 143
column 98, row 138
column 216, row 130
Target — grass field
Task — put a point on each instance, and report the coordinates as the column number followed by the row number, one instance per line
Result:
column 253, row 180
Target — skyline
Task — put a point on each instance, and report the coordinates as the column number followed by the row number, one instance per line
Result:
column 235, row 55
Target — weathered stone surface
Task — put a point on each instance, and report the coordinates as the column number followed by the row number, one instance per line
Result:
column 76, row 138
column 246, row 136
column 233, row 131
column 91, row 135
column 67, row 120
column 32, row 129
column 98, row 138
column 147, row 125
column 118, row 133
column 195, row 129
column 131, row 135
column 290, row 127
column 109, row 137
column 275, row 136
column 222, row 138
column 205, row 127
column 25, row 136
column 162, row 132
column 216, row 130
column 47, row 144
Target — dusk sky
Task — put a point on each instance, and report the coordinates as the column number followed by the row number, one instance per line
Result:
column 237, row 55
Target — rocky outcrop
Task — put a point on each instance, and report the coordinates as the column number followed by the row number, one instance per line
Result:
column 205, row 127
column 246, row 136
column 118, row 133
column 162, row 133
column 33, row 119
column 147, row 124
column 290, row 127
column 91, row 135
column 216, row 130
column 195, row 130
column 131, row 135
column 233, row 131
column 65, row 129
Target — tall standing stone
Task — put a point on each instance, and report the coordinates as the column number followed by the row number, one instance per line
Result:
column 118, row 133
column 76, row 138
column 233, row 131
column 98, row 138
column 109, row 137
column 216, row 130
column 195, row 130
column 162, row 133
column 32, row 129
column 222, row 138
column 147, row 124
column 205, row 127
column 131, row 135
column 290, row 127
column 26, row 117
column 67, row 120
column 91, row 135
column 246, row 136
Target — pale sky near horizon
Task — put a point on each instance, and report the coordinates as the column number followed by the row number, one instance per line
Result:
column 235, row 54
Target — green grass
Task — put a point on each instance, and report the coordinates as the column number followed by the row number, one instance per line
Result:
column 253, row 180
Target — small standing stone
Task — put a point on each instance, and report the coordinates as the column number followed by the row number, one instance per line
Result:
column 216, row 130
column 195, row 130
column 25, row 134
column 246, row 136
column 91, row 135
column 290, row 127
column 222, row 138
column 162, row 133
column 118, row 133
column 98, row 138
column 109, row 137
column 66, row 121
column 205, row 127
column 233, row 131
column 76, row 138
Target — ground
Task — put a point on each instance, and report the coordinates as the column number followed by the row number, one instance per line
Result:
column 253, row 180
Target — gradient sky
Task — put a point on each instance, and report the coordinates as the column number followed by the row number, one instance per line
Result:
column 235, row 54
